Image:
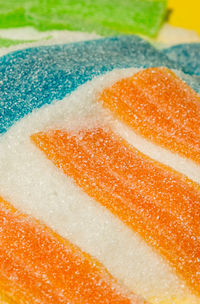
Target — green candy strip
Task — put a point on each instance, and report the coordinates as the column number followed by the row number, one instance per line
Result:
column 105, row 17
column 9, row 42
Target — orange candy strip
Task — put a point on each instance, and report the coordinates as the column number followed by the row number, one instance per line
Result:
column 158, row 203
column 158, row 105
column 38, row 266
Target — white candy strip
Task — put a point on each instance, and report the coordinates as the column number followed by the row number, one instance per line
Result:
column 35, row 186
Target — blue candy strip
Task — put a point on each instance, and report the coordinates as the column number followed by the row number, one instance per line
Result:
column 34, row 77
column 186, row 55
column 192, row 81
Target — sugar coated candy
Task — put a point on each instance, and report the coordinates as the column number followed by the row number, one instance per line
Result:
column 160, row 107
column 188, row 55
column 99, row 202
column 103, row 17
column 99, row 156
column 9, row 42
column 41, row 267
column 192, row 80
column 36, row 76
column 117, row 176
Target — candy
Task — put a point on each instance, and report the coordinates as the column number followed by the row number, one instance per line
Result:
column 158, row 203
column 34, row 77
column 38, row 266
column 159, row 106
column 9, row 42
column 104, row 17
column 137, row 217
column 187, row 55
column 192, row 80
column 37, row 187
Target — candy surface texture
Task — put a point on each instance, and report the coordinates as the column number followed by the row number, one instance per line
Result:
column 188, row 55
column 99, row 153
column 37, row 76
column 103, row 17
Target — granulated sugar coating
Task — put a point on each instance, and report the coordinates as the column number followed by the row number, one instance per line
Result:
column 38, row 76
column 160, row 107
column 33, row 77
column 47, row 269
column 188, row 55
column 117, row 176
column 103, row 17
column 91, row 210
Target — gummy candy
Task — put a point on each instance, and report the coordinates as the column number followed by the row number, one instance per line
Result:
column 34, row 77
column 9, row 42
column 32, row 256
column 104, row 17
column 187, row 55
column 158, row 203
column 159, row 106
column 130, row 238
column 192, row 80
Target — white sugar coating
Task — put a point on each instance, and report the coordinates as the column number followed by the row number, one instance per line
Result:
column 41, row 38
column 180, row 164
column 168, row 35
column 171, row 35
column 23, row 33
column 34, row 185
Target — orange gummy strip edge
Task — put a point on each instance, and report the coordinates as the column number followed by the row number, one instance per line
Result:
column 38, row 266
column 159, row 106
column 158, row 203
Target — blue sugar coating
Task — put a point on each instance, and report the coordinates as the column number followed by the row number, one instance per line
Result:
column 192, row 81
column 34, row 77
column 187, row 55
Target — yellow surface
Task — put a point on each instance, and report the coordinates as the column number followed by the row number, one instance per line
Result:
column 185, row 14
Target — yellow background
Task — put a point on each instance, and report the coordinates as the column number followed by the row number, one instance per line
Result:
column 186, row 14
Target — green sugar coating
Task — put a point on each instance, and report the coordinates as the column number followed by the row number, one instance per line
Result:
column 105, row 17
column 8, row 42
column 5, row 42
